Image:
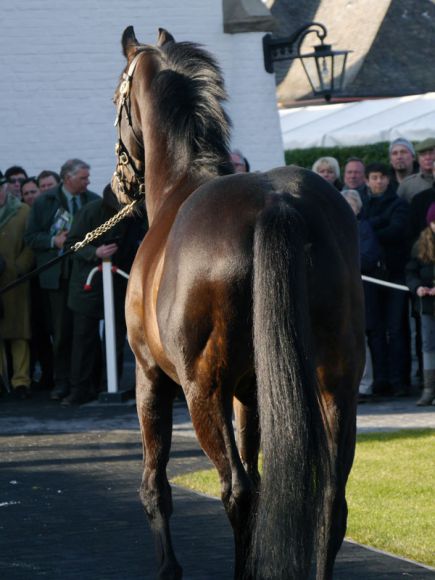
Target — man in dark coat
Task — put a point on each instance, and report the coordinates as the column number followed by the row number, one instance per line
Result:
column 387, row 324
column 354, row 177
column 120, row 244
column 419, row 207
column 50, row 220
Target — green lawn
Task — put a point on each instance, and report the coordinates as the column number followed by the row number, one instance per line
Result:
column 391, row 493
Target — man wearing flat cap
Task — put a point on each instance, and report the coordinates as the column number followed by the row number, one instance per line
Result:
column 424, row 178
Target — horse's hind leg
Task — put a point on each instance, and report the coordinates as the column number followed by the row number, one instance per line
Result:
column 155, row 394
column 248, row 433
column 210, row 408
column 335, row 514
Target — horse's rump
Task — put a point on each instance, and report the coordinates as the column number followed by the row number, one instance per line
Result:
column 208, row 267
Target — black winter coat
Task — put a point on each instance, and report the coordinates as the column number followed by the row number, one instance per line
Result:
column 418, row 274
column 370, row 252
column 38, row 235
column 418, row 209
column 388, row 215
column 128, row 234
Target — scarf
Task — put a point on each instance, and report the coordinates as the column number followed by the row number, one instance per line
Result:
column 9, row 209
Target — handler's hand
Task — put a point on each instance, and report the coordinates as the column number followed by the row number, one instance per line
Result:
column 59, row 240
column 106, row 250
column 423, row 291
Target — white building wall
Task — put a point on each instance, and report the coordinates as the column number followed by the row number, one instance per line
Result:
column 60, row 62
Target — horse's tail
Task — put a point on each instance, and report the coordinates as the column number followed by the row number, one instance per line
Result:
column 293, row 438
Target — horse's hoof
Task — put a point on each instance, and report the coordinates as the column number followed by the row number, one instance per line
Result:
column 170, row 572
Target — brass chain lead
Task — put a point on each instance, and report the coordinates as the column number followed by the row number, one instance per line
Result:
column 91, row 236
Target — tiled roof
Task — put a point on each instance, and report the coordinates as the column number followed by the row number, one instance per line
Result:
column 392, row 48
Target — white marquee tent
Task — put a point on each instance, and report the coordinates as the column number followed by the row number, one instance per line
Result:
column 359, row 123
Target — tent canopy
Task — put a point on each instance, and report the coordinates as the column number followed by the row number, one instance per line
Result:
column 359, row 123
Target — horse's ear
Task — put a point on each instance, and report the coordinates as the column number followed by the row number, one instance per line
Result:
column 164, row 37
column 129, row 41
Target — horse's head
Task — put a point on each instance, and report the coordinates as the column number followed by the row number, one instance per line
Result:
column 170, row 112
column 128, row 179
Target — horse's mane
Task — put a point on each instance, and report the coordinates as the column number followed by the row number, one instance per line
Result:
column 188, row 93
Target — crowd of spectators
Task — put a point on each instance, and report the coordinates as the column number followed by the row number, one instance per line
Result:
column 51, row 335
column 50, row 331
column 395, row 208
column 50, row 325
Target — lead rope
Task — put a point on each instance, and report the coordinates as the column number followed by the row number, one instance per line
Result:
column 90, row 237
column 100, row 230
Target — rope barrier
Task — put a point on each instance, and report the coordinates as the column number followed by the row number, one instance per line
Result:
column 385, row 283
column 116, row 270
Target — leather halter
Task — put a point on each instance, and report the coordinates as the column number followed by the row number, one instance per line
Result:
column 124, row 159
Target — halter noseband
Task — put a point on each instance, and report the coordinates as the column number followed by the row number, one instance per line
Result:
column 123, row 155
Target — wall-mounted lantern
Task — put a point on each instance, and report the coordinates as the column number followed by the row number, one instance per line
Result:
column 324, row 67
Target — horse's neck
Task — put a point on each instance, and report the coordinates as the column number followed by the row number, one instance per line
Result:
column 166, row 198
column 165, row 189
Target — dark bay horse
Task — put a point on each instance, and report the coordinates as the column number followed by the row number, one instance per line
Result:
column 246, row 292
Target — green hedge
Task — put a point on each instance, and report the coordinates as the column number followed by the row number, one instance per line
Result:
column 378, row 152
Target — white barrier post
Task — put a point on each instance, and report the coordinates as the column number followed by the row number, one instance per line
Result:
column 109, row 327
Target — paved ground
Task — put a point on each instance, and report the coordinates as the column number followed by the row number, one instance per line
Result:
column 40, row 415
column 69, row 506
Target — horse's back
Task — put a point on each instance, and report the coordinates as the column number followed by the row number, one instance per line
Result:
column 322, row 207
column 212, row 236
column 226, row 208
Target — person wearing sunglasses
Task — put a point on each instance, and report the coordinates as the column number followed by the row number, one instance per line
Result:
column 15, row 175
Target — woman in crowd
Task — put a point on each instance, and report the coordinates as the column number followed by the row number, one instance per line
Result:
column 420, row 280
column 387, row 312
column 329, row 169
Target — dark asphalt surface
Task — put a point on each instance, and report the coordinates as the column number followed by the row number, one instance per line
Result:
column 69, row 505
